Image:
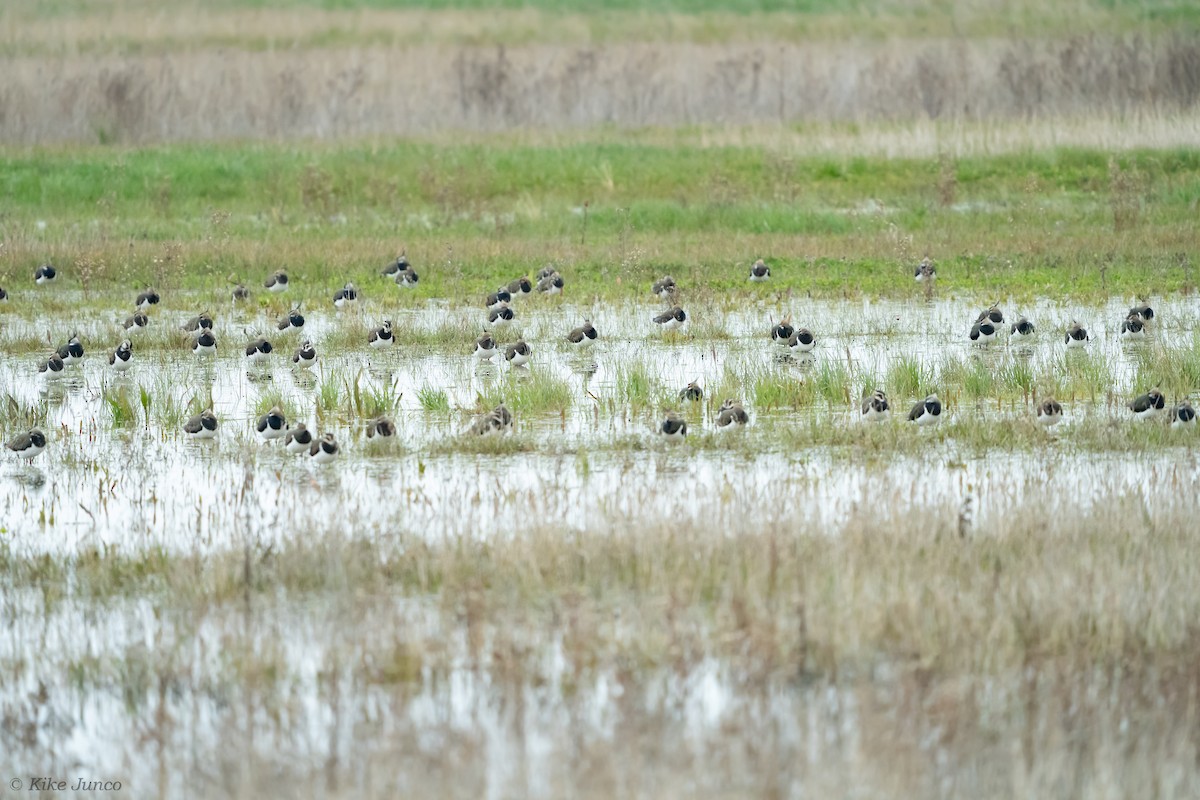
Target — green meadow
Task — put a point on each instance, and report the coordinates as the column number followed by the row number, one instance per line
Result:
column 614, row 215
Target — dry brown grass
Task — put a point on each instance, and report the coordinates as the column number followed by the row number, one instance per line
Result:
column 421, row 89
column 132, row 26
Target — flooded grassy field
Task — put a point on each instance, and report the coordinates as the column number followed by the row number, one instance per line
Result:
column 580, row 606
column 120, row 469
column 809, row 605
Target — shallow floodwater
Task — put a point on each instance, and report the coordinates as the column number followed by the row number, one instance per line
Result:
column 145, row 486
column 142, row 484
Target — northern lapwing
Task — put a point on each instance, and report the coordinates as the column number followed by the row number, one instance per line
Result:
column 71, row 353
column 983, row 332
column 501, row 315
column 27, row 445
column 3, row 295
column 396, row 267
column 485, row 347
column 305, row 355
column 44, row 274
column 52, row 368
column 407, row 277
column 692, row 393
column 517, row 354
column 382, row 337
column 1049, row 413
column 121, row 359
column 201, row 322
column 546, row 272
column 673, row 426
column 293, row 321
column 497, row 420
column 1076, row 336
column 345, row 297
column 258, row 351
column 927, row 411
column 521, row 285
column 875, row 406
column 272, row 425
column 664, row 287
column 205, row 344
column 802, row 341
column 382, row 426
column 1132, row 328
column 146, row 299
column 993, row 315
column 323, row 450
column 298, row 439
column 1022, row 328
column 583, row 336
column 925, row 271
column 732, row 415
column 277, row 282
column 781, row 334
column 240, row 293
column 1148, row 405
column 551, row 284
column 497, row 298
column 1146, row 313
column 137, row 323
column 1183, row 414
column 671, row 319
column 202, row 425
column 759, row 271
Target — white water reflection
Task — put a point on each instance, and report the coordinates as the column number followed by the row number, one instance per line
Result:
column 237, row 700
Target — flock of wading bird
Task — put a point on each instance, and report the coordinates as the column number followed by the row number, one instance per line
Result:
column 989, row 326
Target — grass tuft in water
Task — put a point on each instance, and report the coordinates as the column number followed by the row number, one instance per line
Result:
column 772, row 390
column 120, row 404
column 908, row 377
column 16, row 415
column 536, row 393
column 637, row 386
column 832, row 382
column 432, row 399
column 329, row 395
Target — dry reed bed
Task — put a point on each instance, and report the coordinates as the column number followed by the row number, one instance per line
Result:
column 422, row 90
column 145, row 26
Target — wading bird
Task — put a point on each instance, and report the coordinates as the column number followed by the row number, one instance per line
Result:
column 27, row 445
column 121, row 359
column 875, row 406
column 277, row 282
column 323, row 450
column 382, row 337
column 673, row 426
column 1148, row 405
column 202, row 425
column 298, row 439
column 517, row 354
column 583, row 336
column 927, row 411
column 1049, row 413
column 671, row 320
column 272, row 425
column 732, row 415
